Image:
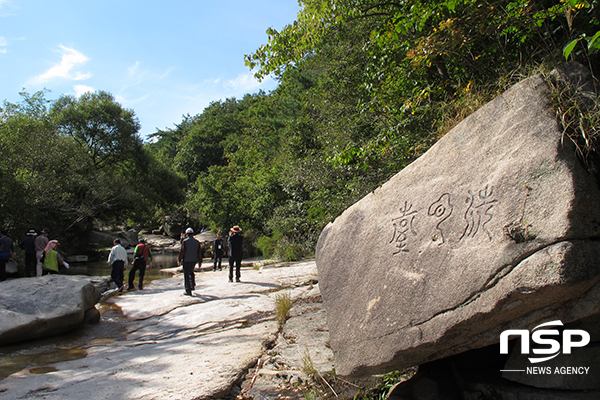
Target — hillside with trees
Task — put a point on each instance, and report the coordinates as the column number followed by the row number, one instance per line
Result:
column 366, row 87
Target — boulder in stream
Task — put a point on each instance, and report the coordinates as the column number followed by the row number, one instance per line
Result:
column 33, row 308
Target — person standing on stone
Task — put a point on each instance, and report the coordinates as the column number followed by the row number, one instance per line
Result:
column 235, row 241
column 52, row 260
column 28, row 245
column 40, row 244
column 117, row 260
column 7, row 250
column 217, row 251
column 141, row 256
column 189, row 255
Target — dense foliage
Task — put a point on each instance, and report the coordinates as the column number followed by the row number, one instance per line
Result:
column 366, row 86
column 75, row 164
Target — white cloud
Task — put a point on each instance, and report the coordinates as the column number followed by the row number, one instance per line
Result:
column 3, row 41
column 81, row 89
column 134, row 70
column 132, row 101
column 70, row 60
column 245, row 83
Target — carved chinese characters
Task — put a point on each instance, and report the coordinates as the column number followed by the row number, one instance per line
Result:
column 473, row 213
column 402, row 226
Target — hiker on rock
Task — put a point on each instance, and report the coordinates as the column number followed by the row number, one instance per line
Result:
column 117, row 260
column 52, row 261
column 7, row 250
column 235, row 240
column 141, row 256
column 189, row 255
column 217, row 251
column 40, row 244
column 28, row 245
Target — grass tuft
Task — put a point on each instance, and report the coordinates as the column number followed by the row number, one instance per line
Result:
column 283, row 303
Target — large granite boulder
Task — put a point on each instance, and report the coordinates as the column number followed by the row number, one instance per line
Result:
column 32, row 308
column 106, row 239
column 494, row 228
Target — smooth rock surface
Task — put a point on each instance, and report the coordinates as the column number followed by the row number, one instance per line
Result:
column 175, row 346
column 44, row 306
column 303, row 341
column 495, row 227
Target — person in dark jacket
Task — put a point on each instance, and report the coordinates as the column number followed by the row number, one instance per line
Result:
column 141, row 256
column 235, row 241
column 189, row 255
column 7, row 250
column 217, row 251
column 28, row 245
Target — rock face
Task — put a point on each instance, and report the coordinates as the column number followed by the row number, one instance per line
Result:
column 494, row 228
column 105, row 239
column 39, row 307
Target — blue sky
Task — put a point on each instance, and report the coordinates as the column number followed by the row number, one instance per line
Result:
column 161, row 58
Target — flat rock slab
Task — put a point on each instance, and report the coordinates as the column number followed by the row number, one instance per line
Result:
column 176, row 347
column 495, row 227
column 38, row 307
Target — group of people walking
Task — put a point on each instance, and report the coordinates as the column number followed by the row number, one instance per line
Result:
column 41, row 256
column 191, row 253
column 117, row 259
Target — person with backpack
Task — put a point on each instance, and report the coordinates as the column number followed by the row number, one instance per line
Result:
column 141, row 256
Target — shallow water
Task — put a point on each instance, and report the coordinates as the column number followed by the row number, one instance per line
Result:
column 101, row 268
column 38, row 356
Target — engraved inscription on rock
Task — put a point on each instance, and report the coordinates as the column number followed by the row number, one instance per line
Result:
column 469, row 214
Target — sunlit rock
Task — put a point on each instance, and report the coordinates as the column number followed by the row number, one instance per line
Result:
column 495, row 227
column 33, row 308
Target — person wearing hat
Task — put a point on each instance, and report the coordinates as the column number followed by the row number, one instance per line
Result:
column 28, row 245
column 52, row 260
column 235, row 241
column 141, row 256
column 40, row 244
column 189, row 255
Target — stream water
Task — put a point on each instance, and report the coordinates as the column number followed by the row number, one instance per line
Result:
column 101, row 268
column 37, row 356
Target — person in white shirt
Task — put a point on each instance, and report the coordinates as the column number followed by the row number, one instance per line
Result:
column 117, row 259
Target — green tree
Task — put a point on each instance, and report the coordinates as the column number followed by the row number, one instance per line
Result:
column 52, row 179
column 107, row 131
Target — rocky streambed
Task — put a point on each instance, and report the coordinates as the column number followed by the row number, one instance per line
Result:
column 180, row 347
